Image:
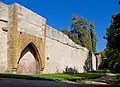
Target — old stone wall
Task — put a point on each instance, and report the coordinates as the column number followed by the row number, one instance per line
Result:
column 30, row 22
column 99, row 59
column 62, row 54
column 3, row 36
column 21, row 34
column 55, row 52
column 20, row 27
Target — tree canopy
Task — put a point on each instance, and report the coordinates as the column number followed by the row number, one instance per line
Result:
column 113, row 33
column 82, row 33
column 112, row 51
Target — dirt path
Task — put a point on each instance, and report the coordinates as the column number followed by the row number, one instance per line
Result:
column 40, row 83
column 108, row 79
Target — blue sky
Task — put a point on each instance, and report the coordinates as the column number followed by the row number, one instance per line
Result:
column 59, row 13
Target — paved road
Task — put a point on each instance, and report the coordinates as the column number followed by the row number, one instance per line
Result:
column 8, row 82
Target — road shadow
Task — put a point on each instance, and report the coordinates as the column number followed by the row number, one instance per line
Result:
column 42, row 83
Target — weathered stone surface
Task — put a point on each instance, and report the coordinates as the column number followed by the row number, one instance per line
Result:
column 27, row 64
column 3, row 11
column 3, row 47
column 63, row 52
column 18, row 40
column 29, row 21
column 3, row 37
column 54, row 52
column 99, row 59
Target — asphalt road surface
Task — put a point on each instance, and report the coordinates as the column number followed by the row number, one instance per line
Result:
column 9, row 82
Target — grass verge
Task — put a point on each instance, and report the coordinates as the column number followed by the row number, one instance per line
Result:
column 57, row 77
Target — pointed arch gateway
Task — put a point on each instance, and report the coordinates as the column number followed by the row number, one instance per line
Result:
column 29, row 62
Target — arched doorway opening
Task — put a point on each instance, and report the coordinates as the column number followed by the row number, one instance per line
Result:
column 28, row 62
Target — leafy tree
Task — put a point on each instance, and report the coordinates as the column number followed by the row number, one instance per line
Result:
column 65, row 31
column 80, row 29
column 112, row 52
column 82, row 33
column 113, row 59
column 113, row 33
column 93, row 37
column 71, row 36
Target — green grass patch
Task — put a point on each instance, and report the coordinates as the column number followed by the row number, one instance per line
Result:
column 57, row 77
column 99, row 71
column 62, row 77
column 73, row 77
column 30, row 77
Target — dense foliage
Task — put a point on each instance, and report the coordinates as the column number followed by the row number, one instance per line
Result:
column 82, row 33
column 113, row 33
column 112, row 52
column 93, row 37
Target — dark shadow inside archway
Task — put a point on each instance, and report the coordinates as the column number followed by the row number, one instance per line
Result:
column 28, row 62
